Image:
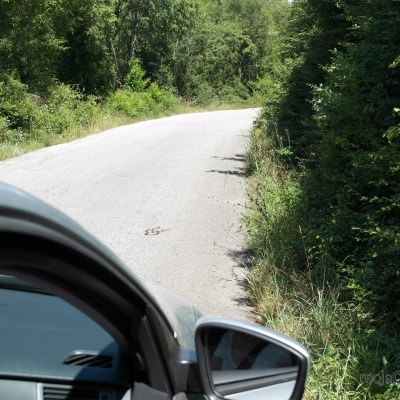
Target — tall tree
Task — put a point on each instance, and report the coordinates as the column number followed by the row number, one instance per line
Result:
column 315, row 29
column 86, row 60
column 30, row 40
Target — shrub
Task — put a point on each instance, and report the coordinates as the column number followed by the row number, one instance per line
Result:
column 151, row 102
column 135, row 80
column 333, row 243
column 17, row 106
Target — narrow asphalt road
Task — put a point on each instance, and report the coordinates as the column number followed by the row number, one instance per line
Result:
column 165, row 195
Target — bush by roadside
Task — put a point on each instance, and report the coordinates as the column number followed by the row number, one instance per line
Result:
column 323, row 227
column 31, row 121
column 352, row 357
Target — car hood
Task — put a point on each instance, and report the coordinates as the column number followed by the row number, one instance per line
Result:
column 179, row 313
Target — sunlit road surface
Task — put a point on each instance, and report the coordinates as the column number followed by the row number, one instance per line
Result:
column 165, row 195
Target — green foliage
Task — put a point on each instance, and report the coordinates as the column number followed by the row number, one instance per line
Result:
column 25, row 117
column 64, row 108
column 271, row 223
column 15, row 104
column 148, row 103
column 200, row 49
column 296, row 292
column 135, row 80
column 29, row 41
column 335, row 119
column 86, row 60
column 190, row 47
column 330, row 219
column 355, row 165
column 60, row 60
column 314, row 29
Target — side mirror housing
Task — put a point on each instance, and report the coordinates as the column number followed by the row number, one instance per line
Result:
column 240, row 360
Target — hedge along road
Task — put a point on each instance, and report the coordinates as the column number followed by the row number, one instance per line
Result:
column 165, row 195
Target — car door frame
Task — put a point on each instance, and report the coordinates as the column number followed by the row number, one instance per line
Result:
column 72, row 270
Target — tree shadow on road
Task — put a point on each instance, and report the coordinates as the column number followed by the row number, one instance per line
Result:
column 238, row 171
column 242, row 259
column 236, row 157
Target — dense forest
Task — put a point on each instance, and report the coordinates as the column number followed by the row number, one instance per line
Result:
column 324, row 227
column 60, row 60
column 185, row 45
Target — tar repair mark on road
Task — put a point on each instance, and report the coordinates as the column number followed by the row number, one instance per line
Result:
column 154, row 231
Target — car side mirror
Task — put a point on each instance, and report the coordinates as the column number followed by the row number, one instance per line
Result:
column 239, row 360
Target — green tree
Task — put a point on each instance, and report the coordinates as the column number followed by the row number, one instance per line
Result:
column 135, row 80
column 86, row 60
column 336, row 111
column 315, row 28
column 30, row 42
column 355, row 166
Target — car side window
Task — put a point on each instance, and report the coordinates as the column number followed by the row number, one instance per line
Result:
column 48, row 343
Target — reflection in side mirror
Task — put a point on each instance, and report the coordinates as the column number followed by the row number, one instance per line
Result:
column 247, row 361
column 232, row 350
column 238, row 361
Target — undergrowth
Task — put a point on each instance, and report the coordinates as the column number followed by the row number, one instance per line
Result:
column 31, row 121
column 295, row 296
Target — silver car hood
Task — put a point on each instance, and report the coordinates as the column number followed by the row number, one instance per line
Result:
column 180, row 314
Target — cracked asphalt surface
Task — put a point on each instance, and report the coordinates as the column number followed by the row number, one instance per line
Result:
column 165, row 195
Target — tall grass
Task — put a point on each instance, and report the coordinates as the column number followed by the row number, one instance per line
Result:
column 104, row 121
column 303, row 300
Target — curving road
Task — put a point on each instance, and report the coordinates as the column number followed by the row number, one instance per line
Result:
column 165, row 195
